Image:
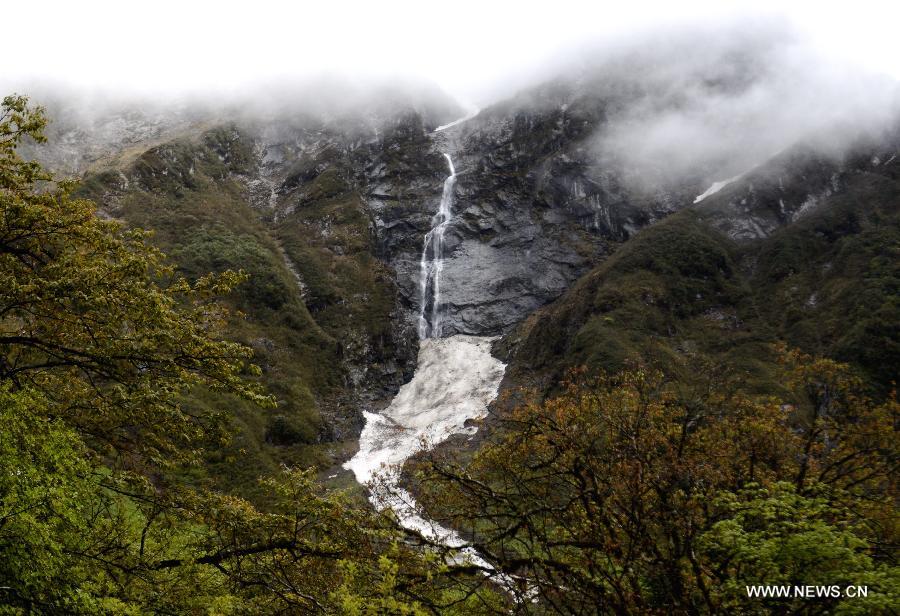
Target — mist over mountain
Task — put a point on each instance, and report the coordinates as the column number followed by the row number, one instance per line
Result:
column 735, row 100
column 91, row 124
column 549, row 180
column 708, row 100
column 593, row 345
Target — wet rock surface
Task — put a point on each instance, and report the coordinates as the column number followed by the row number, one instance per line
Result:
column 794, row 184
column 537, row 203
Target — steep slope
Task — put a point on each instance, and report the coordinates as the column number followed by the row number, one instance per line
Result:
column 327, row 210
column 310, row 208
column 802, row 249
column 552, row 179
column 189, row 194
column 535, row 208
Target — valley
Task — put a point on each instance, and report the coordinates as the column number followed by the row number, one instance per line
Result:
column 559, row 354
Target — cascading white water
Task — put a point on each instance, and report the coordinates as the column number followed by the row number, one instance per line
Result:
column 455, row 380
column 430, row 269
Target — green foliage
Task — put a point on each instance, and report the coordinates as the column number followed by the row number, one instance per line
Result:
column 671, row 293
column 213, row 249
column 99, row 340
column 830, row 282
column 199, row 214
column 827, row 284
column 96, row 318
column 633, row 494
column 775, row 536
column 42, row 491
column 71, row 539
column 18, row 121
column 112, row 382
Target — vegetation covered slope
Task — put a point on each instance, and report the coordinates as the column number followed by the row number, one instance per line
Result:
column 822, row 279
column 187, row 193
column 301, row 206
column 667, row 453
column 310, row 302
column 107, row 355
column 633, row 493
column 639, row 494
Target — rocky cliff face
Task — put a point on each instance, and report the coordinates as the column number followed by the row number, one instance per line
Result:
column 533, row 208
column 798, row 249
column 287, row 201
column 338, row 205
column 795, row 183
column 346, row 206
column 328, row 211
column 533, row 212
column 537, row 203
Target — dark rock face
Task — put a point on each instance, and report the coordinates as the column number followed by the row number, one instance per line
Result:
column 338, row 210
column 517, row 238
column 347, row 204
column 533, row 210
column 794, row 250
column 350, row 200
column 792, row 185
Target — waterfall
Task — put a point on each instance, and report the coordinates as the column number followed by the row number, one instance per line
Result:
column 430, row 269
column 455, row 380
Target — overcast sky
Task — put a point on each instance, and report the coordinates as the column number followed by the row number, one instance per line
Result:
column 467, row 47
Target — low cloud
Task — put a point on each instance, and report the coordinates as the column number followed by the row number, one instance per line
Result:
column 715, row 102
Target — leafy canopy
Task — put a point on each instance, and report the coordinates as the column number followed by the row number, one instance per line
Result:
column 629, row 493
column 96, row 319
column 100, row 338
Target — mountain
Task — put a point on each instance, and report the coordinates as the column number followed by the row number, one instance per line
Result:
column 677, row 266
column 322, row 309
column 801, row 249
column 327, row 214
column 573, row 248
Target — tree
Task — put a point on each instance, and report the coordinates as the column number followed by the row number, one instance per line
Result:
column 633, row 494
column 100, row 338
column 96, row 319
column 775, row 536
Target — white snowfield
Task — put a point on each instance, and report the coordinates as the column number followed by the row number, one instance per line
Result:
column 456, row 379
column 716, row 187
column 471, row 114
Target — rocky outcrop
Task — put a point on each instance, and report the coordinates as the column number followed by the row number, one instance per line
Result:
column 795, row 250
column 534, row 209
column 793, row 184
column 347, row 201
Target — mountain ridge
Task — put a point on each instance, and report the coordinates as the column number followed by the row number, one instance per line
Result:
column 335, row 212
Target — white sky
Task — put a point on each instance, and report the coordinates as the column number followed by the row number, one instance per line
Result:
column 464, row 46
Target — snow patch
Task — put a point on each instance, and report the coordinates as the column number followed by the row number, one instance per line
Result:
column 471, row 114
column 807, row 206
column 455, row 380
column 716, row 187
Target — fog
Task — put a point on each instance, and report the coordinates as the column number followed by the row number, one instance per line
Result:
column 715, row 101
column 476, row 51
column 711, row 86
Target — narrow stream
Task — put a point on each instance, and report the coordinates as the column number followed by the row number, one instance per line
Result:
column 431, row 265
